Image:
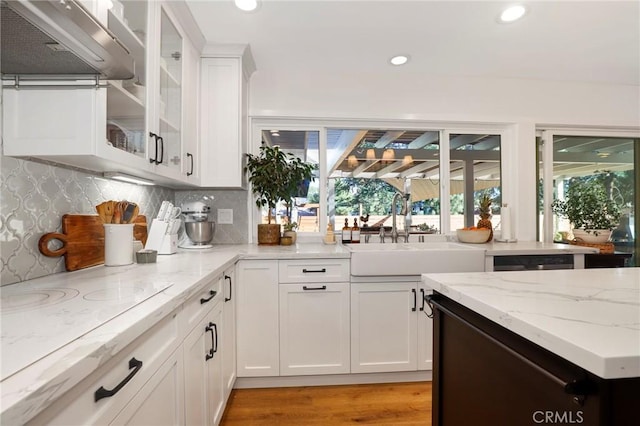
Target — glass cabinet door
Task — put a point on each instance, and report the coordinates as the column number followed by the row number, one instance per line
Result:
column 170, row 95
column 126, row 100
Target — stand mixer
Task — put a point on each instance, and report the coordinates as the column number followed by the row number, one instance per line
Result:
column 198, row 226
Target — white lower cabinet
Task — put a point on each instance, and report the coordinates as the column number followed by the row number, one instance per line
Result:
column 389, row 330
column 229, row 332
column 425, row 330
column 149, row 369
column 160, row 401
column 314, row 328
column 257, row 318
column 203, row 387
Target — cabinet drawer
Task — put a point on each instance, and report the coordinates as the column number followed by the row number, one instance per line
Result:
column 313, row 270
column 199, row 304
column 79, row 405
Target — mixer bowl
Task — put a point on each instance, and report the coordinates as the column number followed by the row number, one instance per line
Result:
column 200, row 233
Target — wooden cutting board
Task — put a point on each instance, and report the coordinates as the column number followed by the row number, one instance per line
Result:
column 82, row 240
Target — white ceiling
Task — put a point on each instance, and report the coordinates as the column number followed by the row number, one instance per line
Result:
column 557, row 40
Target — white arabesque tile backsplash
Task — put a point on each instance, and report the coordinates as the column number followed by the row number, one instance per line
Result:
column 34, row 196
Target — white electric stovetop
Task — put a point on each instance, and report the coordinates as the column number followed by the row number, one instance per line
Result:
column 69, row 312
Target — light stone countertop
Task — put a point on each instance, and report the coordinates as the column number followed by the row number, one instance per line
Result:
column 590, row 317
column 48, row 350
column 495, row 248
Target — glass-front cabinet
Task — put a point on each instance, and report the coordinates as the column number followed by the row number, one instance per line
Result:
column 169, row 94
column 127, row 100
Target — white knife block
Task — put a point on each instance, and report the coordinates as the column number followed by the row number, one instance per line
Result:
column 159, row 240
column 169, row 244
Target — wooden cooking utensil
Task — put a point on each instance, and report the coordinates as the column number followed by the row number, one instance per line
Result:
column 109, row 208
column 127, row 214
column 102, row 211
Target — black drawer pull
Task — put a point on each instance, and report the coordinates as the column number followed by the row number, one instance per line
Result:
column 304, row 287
column 104, row 393
column 212, row 295
column 313, row 271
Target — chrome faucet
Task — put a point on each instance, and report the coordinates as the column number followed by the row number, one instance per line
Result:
column 394, row 226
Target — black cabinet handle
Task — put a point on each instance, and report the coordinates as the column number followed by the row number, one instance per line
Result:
column 190, row 156
column 314, row 271
column 134, row 365
column 161, row 150
column 227, row 277
column 155, row 158
column 304, row 287
column 415, row 300
column 209, row 355
column 422, row 298
column 212, row 294
column 215, row 330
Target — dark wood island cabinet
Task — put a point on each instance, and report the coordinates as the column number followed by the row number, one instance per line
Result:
column 487, row 375
column 536, row 347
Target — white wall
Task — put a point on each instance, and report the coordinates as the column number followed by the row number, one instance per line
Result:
column 520, row 106
column 411, row 96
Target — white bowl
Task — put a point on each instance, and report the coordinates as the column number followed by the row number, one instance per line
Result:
column 474, row 236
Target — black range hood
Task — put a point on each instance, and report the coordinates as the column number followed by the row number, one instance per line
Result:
column 58, row 39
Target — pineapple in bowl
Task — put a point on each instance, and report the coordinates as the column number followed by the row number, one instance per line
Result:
column 483, row 231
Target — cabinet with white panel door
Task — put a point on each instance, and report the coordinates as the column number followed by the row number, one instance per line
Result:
column 224, row 101
column 389, row 330
column 228, row 289
column 314, row 328
column 160, row 402
column 148, row 369
column 257, row 318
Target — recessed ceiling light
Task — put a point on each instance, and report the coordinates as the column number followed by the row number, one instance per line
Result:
column 275, row 134
column 512, row 13
column 399, row 60
column 246, row 5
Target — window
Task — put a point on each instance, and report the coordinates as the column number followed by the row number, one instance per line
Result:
column 303, row 209
column 368, row 167
column 589, row 157
column 361, row 168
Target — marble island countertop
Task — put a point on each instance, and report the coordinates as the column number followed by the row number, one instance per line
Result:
column 590, row 317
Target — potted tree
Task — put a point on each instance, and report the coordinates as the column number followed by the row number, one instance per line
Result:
column 274, row 176
column 592, row 213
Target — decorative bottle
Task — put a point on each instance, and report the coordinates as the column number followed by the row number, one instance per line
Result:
column 355, row 232
column 346, row 232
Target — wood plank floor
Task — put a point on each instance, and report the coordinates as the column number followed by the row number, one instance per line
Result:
column 377, row 404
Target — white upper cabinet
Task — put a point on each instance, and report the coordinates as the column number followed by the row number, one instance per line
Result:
column 224, row 101
column 136, row 126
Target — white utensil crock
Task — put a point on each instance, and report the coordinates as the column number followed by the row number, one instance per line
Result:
column 118, row 244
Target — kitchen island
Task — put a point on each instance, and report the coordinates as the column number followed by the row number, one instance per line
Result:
column 536, row 346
